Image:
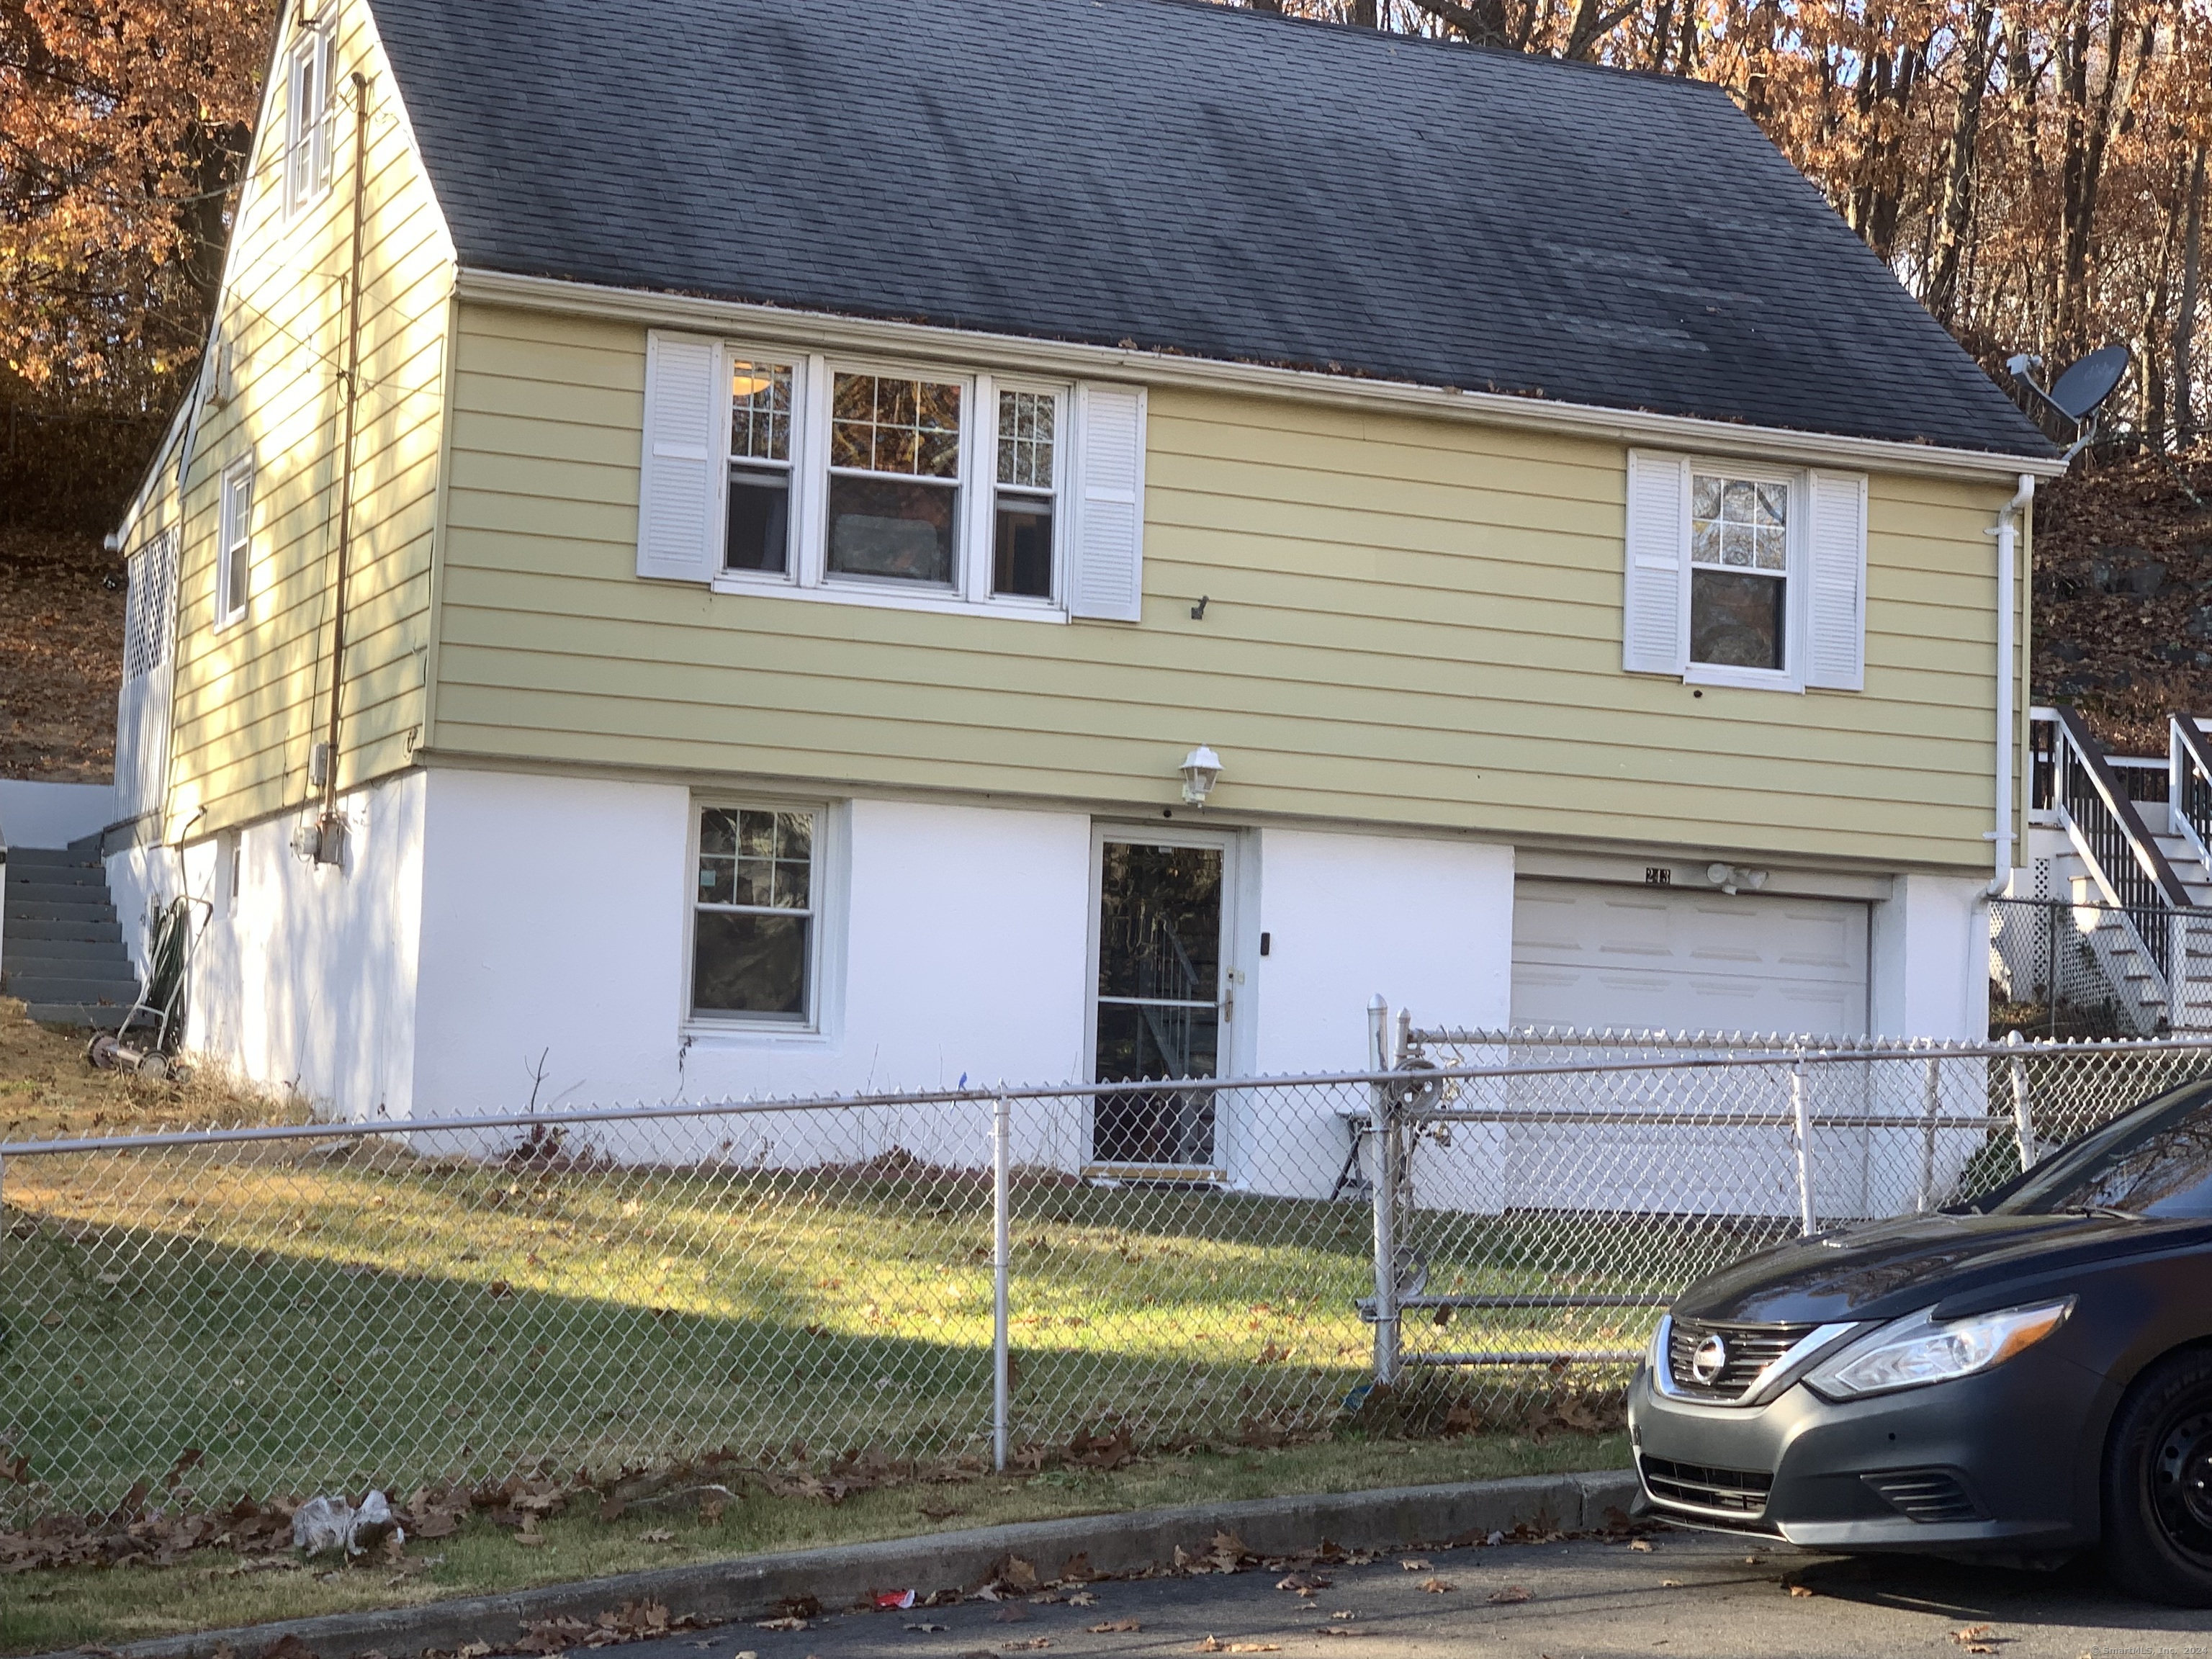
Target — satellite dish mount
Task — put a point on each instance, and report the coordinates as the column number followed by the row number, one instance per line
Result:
column 2080, row 392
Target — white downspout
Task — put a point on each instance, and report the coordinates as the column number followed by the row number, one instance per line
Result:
column 2008, row 535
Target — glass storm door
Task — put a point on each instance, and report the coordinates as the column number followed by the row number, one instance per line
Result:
column 1159, row 1001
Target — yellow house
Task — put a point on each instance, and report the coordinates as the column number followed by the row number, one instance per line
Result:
column 778, row 546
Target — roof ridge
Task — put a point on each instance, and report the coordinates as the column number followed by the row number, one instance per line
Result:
column 1536, row 62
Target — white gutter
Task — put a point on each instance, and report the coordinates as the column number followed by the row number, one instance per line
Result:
column 817, row 331
column 2008, row 535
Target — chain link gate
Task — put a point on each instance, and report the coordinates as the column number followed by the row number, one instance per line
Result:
column 1546, row 1195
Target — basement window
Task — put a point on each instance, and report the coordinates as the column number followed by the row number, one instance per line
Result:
column 756, row 917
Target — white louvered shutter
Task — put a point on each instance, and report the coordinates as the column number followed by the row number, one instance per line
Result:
column 1108, row 563
column 1654, row 590
column 679, row 503
column 1835, row 570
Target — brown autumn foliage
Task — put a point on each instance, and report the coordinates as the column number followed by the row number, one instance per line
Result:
column 123, row 127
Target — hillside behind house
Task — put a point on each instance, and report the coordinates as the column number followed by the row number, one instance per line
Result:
column 61, row 656
column 2123, row 599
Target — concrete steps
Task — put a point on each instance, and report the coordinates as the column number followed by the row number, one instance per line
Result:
column 61, row 944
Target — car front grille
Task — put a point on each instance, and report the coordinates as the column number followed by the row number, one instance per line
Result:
column 1929, row 1495
column 1726, row 1492
column 1750, row 1348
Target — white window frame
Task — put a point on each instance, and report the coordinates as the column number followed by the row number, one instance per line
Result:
column 806, row 574
column 314, row 53
column 825, row 891
column 234, row 542
column 1796, row 617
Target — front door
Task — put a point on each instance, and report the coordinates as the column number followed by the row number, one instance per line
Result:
column 1160, row 998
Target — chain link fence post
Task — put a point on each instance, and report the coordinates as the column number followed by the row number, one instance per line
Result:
column 1382, row 1126
column 1001, row 1274
column 1923, row 1197
column 2023, row 1127
column 1801, row 1115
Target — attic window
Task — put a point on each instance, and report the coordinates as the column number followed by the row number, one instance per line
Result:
column 308, row 113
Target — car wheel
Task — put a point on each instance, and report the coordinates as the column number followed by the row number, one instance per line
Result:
column 2158, row 1484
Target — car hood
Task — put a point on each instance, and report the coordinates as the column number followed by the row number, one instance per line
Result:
column 1882, row 1269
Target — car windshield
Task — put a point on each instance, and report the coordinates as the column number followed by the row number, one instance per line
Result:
column 2155, row 1161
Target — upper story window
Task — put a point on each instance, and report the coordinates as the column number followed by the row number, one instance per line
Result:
column 806, row 475
column 758, row 527
column 234, row 563
column 895, row 454
column 1742, row 574
column 1028, row 487
column 1739, row 572
column 309, row 111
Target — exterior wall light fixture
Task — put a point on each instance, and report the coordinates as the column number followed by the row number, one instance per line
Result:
column 1199, row 768
column 1730, row 877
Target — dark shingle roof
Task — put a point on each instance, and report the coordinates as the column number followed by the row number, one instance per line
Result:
column 1213, row 182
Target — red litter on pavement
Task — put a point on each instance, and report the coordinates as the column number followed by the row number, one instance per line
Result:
column 893, row 1598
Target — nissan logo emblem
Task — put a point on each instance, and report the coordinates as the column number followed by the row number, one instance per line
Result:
column 1708, row 1360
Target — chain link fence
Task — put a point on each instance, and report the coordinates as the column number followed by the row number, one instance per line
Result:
column 1555, row 1190
column 290, row 1308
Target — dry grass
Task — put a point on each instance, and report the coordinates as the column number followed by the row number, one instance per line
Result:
column 47, row 1091
column 42, row 1612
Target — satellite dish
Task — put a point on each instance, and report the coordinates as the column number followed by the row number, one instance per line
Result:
column 2082, row 388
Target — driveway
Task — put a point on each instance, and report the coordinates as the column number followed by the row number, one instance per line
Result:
column 1689, row 1595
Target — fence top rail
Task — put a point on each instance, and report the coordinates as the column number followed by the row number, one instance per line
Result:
column 1852, row 1052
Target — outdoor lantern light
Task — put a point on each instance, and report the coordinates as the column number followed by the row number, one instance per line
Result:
column 1199, row 768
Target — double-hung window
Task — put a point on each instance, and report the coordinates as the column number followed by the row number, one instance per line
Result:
column 757, row 527
column 308, row 112
column 756, row 915
column 234, row 564
column 1741, row 573
column 806, row 475
column 1028, row 487
column 895, row 467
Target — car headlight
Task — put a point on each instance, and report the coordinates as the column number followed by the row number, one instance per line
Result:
column 1919, row 1349
column 1654, row 1352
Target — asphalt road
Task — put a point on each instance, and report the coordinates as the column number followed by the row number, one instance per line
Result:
column 1689, row 1594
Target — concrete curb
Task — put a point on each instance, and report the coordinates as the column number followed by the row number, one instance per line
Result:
column 720, row 1591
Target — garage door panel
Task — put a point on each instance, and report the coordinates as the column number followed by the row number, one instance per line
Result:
column 1596, row 957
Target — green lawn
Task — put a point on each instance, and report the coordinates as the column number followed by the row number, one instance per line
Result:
column 304, row 1318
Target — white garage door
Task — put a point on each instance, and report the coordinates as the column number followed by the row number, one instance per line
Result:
column 1656, row 959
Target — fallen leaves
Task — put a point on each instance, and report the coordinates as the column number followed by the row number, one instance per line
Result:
column 633, row 1621
column 1978, row 1638
column 1511, row 1594
column 1415, row 1565
column 1796, row 1589
column 1110, row 1626
column 1438, row 1586
column 1215, row 1644
column 1641, row 1546
column 787, row 1623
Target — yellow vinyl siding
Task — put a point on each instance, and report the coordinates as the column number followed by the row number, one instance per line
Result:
column 1411, row 621
column 253, row 698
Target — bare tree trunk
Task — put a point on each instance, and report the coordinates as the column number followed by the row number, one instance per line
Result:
column 1662, row 24
column 1956, row 213
column 1483, row 23
column 2185, row 324
column 2088, row 134
column 1366, row 14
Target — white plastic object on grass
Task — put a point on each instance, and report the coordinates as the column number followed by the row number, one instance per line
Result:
column 329, row 1523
